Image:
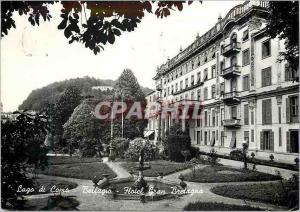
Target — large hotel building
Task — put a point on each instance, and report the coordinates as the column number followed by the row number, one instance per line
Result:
column 245, row 93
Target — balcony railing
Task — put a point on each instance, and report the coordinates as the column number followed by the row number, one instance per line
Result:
column 231, row 97
column 231, row 48
column 231, row 71
column 159, row 87
column 233, row 122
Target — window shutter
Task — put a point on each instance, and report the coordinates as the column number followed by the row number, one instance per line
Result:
column 269, row 111
column 261, row 141
column 263, row 112
column 263, row 78
column 272, row 141
column 286, row 72
column 288, row 146
column 288, row 113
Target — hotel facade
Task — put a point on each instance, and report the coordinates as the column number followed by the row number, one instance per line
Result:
column 245, row 93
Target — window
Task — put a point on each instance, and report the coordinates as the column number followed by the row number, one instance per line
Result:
column 205, row 93
column 233, row 112
column 279, row 134
column 246, row 114
column 205, row 77
column 245, row 35
column 192, row 80
column 198, row 77
column 267, row 140
column 290, row 74
column 217, row 135
column 266, row 49
column 172, row 89
column 205, row 138
column 213, row 114
column 213, row 91
column 266, row 77
column 222, row 88
column 176, row 87
column 246, row 136
column 252, row 135
column 186, row 82
column 246, row 57
column 212, row 141
column 252, row 117
column 233, row 140
column 246, row 85
column 222, row 138
column 292, row 109
column 205, row 118
column 198, row 137
column 198, row 94
column 181, row 85
column 266, row 111
column 213, row 71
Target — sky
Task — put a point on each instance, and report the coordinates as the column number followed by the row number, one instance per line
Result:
column 33, row 57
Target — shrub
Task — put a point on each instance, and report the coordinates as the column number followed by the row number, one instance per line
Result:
column 213, row 158
column 252, row 155
column 89, row 147
column 120, row 146
column 195, row 152
column 296, row 161
column 271, row 157
column 177, row 140
column 236, row 154
column 134, row 150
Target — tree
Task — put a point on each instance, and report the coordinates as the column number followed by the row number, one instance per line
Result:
column 22, row 145
column 128, row 89
column 88, row 22
column 61, row 112
column 283, row 21
column 177, row 141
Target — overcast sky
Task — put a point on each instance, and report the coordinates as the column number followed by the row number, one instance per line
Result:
column 53, row 59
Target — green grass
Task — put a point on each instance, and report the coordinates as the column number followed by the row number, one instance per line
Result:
column 165, row 167
column 211, row 174
column 57, row 203
column 262, row 192
column 57, row 160
column 214, row 206
column 79, row 170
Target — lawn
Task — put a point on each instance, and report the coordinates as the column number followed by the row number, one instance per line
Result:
column 262, row 192
column 214, row 206
column 79, row 170
column 210, row 174
column 158, row 166
column 58, row 203
column 57, row 160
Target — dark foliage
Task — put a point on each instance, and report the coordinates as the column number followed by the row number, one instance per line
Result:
column 22, row 145
column 284, row 22
column 106, row 20
column 120, row 146
column 177, row 140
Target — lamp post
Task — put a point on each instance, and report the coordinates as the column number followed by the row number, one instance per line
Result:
column 111, row 148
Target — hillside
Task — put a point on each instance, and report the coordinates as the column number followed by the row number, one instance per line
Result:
column 40, row 97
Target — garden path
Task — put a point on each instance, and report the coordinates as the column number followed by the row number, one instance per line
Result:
column 93, row 201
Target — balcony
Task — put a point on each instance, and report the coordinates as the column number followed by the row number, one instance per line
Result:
column 234, row 123
column 231, row 97
column 231, row 72
column 159, row 87
column 231, row 49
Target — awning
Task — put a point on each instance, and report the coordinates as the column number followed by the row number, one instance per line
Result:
column 212, row 141
column 232, row 142
column 147, row 133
